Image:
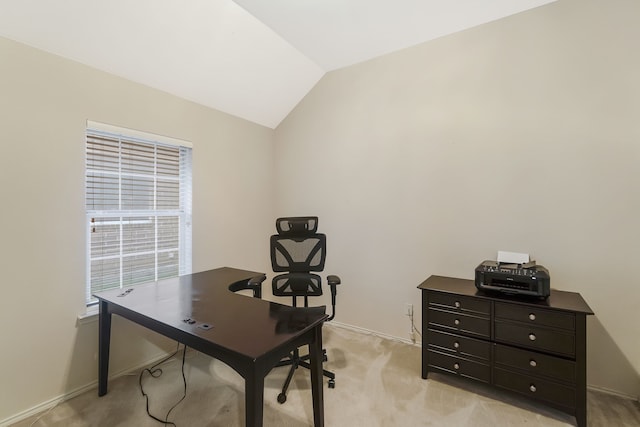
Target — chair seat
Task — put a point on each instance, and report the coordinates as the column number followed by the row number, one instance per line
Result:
column 297, row 285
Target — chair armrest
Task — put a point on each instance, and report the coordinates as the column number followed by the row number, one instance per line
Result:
column 333, row 281
column 254, row 284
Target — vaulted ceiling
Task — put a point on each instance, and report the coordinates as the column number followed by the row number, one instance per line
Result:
column 254, row 59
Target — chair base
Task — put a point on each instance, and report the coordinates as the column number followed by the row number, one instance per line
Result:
column 295, row 360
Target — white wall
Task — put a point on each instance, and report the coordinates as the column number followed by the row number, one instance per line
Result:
column 44, row 104
column 520, row 135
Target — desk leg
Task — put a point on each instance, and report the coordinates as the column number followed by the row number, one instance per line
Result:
column 315, row 360
column 254, row 398
column 104, row 341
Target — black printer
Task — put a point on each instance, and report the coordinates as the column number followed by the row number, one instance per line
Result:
column 515, row 279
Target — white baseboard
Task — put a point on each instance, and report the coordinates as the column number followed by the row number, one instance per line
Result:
column 46, row 405
column 73, row 393
column 374, row 333
column 613, row 393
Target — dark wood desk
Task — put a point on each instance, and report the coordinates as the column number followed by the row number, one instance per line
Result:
column 248, row 334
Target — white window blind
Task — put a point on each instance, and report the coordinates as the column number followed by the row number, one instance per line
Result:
column 138, row 204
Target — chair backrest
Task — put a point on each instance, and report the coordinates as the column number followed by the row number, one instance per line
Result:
column 297, row 250
column 298, row 247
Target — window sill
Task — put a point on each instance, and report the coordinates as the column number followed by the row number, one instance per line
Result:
column 90, row 316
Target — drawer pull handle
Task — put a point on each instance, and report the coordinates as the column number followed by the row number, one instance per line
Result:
column 456, row 366
column 533, row 363
column 533, row 388
column 532, row 316
column 532, row 337
column 456, row 322
column 456, row 344
column 457, row 304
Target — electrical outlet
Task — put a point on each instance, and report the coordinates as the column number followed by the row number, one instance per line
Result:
column 408, row 311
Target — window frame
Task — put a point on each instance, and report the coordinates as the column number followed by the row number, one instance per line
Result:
column 118, row 216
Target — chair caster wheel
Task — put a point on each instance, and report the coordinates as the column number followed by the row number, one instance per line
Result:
column 282, row 398
column 332, row 383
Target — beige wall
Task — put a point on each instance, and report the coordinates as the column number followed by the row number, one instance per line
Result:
column 521, row 135
column 44, row 104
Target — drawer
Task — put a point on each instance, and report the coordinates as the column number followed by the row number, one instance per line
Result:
column 458, row 345
column 459, row 366
column 535, row 363
column 543, row 339
column 535, row 316
column 458, row 322
column 536, row 388
column 460, row 303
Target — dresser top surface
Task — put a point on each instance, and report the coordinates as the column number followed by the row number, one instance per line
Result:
column 559, row 300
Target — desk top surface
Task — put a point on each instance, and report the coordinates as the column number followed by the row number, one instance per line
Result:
column 242, row 324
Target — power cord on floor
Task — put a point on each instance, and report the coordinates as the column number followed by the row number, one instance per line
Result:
column 155, row 372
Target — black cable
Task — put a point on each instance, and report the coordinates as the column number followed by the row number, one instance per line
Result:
column 155, row 372
column 416, row 330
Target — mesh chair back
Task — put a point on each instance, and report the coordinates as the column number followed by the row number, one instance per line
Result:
column 298, row 250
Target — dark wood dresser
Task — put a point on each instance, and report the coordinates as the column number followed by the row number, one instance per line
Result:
column 533, row 347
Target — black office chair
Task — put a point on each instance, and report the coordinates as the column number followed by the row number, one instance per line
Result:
column 297, row 251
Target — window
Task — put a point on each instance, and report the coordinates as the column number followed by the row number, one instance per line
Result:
column 138, row 205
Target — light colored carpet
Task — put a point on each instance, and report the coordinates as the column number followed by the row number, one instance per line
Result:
column 378, row 383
